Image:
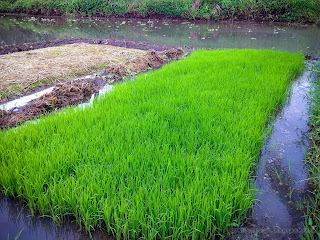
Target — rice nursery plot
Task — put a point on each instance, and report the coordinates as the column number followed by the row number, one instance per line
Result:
column 169, row 155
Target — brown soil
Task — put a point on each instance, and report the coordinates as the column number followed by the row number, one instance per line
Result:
column 22, row 71
column 75, row 92
column 152, row 60
column 64, row 94
column 58, row 42
column 13, row 71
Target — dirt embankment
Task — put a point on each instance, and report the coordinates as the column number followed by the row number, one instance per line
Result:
column 58, row 42
column 22, row 72
column 78, row 91
column 26, row 68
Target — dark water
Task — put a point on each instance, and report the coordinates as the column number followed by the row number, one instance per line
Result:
column 281, row 174
column 16, row 221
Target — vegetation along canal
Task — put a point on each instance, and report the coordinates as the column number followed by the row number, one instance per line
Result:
column 281, row 175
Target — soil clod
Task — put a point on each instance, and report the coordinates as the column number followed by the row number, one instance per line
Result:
column 152, row 60
column 308, row 57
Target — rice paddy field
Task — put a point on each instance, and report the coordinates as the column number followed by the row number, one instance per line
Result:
column 169, row 155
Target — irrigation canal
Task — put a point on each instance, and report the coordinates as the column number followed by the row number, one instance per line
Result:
column 281, row 178
column 280, row 175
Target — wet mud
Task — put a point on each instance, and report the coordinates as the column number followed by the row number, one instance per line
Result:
column 63, row 94
column 58, row 42
column 77, row 91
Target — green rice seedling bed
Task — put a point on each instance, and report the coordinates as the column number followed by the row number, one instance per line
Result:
column 169, row 155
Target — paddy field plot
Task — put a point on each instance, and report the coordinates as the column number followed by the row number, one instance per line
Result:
column 168, row 155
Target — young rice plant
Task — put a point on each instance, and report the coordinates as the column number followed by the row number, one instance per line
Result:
column 168, row 155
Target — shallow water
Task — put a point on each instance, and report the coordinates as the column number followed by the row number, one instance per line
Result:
column 15, row 217
column 25, row 100
column 281, row 175
column 281, row 170
column 286, row 37
column 20, row 102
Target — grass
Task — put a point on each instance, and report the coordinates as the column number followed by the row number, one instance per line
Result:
column 312, row 219
column 265, row 10
column 169, row 155
column 23, row 71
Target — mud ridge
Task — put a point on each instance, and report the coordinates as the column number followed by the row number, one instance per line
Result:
column 58, row 42
column 74, row 92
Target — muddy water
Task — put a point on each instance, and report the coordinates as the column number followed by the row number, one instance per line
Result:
column 164, row 32
column 280, row 175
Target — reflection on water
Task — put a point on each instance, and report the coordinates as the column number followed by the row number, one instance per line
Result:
column 303, row 39
column 282, row 177
column 15, row 217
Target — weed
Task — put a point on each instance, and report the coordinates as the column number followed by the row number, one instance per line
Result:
column 289, row 167
column 278, row 175
column 312, row 219
column 290, row 194
column 275, row 145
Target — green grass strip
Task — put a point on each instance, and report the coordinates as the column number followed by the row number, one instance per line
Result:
column 312, row 215
column 169, row 155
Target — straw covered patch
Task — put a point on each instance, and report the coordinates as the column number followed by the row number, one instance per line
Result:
column 22, row 71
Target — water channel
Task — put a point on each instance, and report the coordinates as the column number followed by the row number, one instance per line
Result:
column 281, row 175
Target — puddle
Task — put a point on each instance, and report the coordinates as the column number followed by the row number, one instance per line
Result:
column 20, row 102
column 282, row 178
column 102, row 91
column 25, row 100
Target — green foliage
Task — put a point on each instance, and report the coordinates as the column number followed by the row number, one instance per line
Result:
column 168, row 155
column 6, row 6
column 312, row 219
column 169, row 7
column 86, row 6
column 275, row 10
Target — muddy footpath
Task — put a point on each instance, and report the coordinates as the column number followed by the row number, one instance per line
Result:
column 80, row 90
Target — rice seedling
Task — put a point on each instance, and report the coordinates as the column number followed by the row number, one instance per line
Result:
column 169, row 155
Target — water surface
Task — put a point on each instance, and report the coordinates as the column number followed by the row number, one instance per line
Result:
column 301, row 38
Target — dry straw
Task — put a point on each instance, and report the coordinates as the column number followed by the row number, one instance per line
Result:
column 21, row 71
